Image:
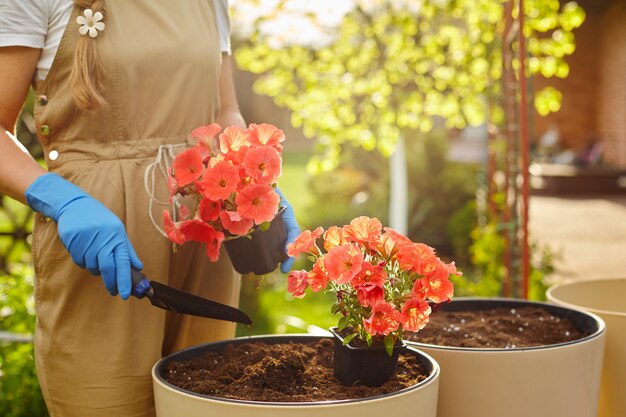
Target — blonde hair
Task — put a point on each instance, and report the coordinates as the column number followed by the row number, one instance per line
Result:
column 87, row 72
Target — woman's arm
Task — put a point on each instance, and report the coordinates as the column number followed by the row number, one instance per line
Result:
column 17, row 169
column 229, row 114
column 94, row 236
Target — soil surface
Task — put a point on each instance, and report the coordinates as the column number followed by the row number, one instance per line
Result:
column 496, row 328
column 290, row 372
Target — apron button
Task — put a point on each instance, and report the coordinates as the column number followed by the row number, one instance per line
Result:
column 43, row 100
column 53, row 155
column 44, row 130
column 46, row 219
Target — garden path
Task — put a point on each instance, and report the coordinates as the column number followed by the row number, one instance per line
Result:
column 587, row 234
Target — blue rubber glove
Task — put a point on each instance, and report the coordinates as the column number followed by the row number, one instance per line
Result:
column 94, row 236
column 293, row 230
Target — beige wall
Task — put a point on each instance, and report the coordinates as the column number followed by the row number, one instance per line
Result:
column 261, row 109
column 594, row 94
column 612, row 84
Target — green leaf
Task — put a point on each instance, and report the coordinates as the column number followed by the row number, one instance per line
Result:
column 390, row 341
column 343, row 322
column 348, row 338
column 264, row 226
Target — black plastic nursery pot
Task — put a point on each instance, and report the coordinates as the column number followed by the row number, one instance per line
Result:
column 370, row 366
column 173, row 401
column 541, row 381
column 263, row 251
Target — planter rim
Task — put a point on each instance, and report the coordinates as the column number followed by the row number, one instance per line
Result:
column 513, row 302
column 553, row 298
column 432, row 378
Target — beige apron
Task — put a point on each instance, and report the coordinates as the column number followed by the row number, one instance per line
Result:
column 94, row 352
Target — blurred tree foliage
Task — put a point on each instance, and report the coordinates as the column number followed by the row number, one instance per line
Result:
column 439, row 191
column 379, row 67
column 20, row 395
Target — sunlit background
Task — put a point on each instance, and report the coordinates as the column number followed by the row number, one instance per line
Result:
column 413, row 111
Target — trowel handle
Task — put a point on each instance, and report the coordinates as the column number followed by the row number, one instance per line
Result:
column 141, row 285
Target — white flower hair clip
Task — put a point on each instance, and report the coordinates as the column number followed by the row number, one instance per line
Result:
column 90, row 23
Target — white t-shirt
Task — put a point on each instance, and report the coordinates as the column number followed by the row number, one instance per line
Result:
column 41, row 23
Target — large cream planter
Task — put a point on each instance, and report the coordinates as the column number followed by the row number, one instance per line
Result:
column 172, row 401
column 548, row 381
column 607, row 299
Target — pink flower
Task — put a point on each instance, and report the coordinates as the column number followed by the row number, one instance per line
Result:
column 197, row 230
column 187, row 166
column 297, row 283
column 363, row 230
column 370, row 294
column 437, row 286
column 235, row 224
column 414, row 314
column 265, row 134
column 384, row 319
column 206, row 137
column 220, row 180
column 209, row 210
column 263, row 164
column 318, row 278
column 305, row 242
column 334, row 236
column 343, row 263
column 370, row 275
column 213, row 245
column 257, row 202
column 234, row 142
column 206, row 133
column 173, row 232
column 397, row 238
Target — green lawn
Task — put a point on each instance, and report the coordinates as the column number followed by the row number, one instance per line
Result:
column 294, row 182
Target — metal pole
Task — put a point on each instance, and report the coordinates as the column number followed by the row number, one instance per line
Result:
column 525, row 149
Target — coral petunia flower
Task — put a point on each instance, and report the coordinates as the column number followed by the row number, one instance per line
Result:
column 425, row 259
column 263, row 164
column 257, row 202
column 235, row 224
column 220, row 180
column 415, row 314
column 209, row 210
column 187, row 166
column 369, row 294
column 197, row 231
column 206, row 132
column 398, row 239
column 305, row 242
column 334, row 236
column 234, row 142
column 172, row 185
column 213, row 246
column 173, row 232
column 206, row 140
column 318, row 278
column 297, row 283
column 437, row 287
column 265, row 134
column 363, row 230
column 343, row 263
column 385, row 246
column 369, row 275
column 384, row 319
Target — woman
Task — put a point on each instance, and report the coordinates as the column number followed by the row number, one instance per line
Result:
column 113, row 94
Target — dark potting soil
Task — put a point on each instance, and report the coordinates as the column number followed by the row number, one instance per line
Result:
column 496, row 328
column 289, row 372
